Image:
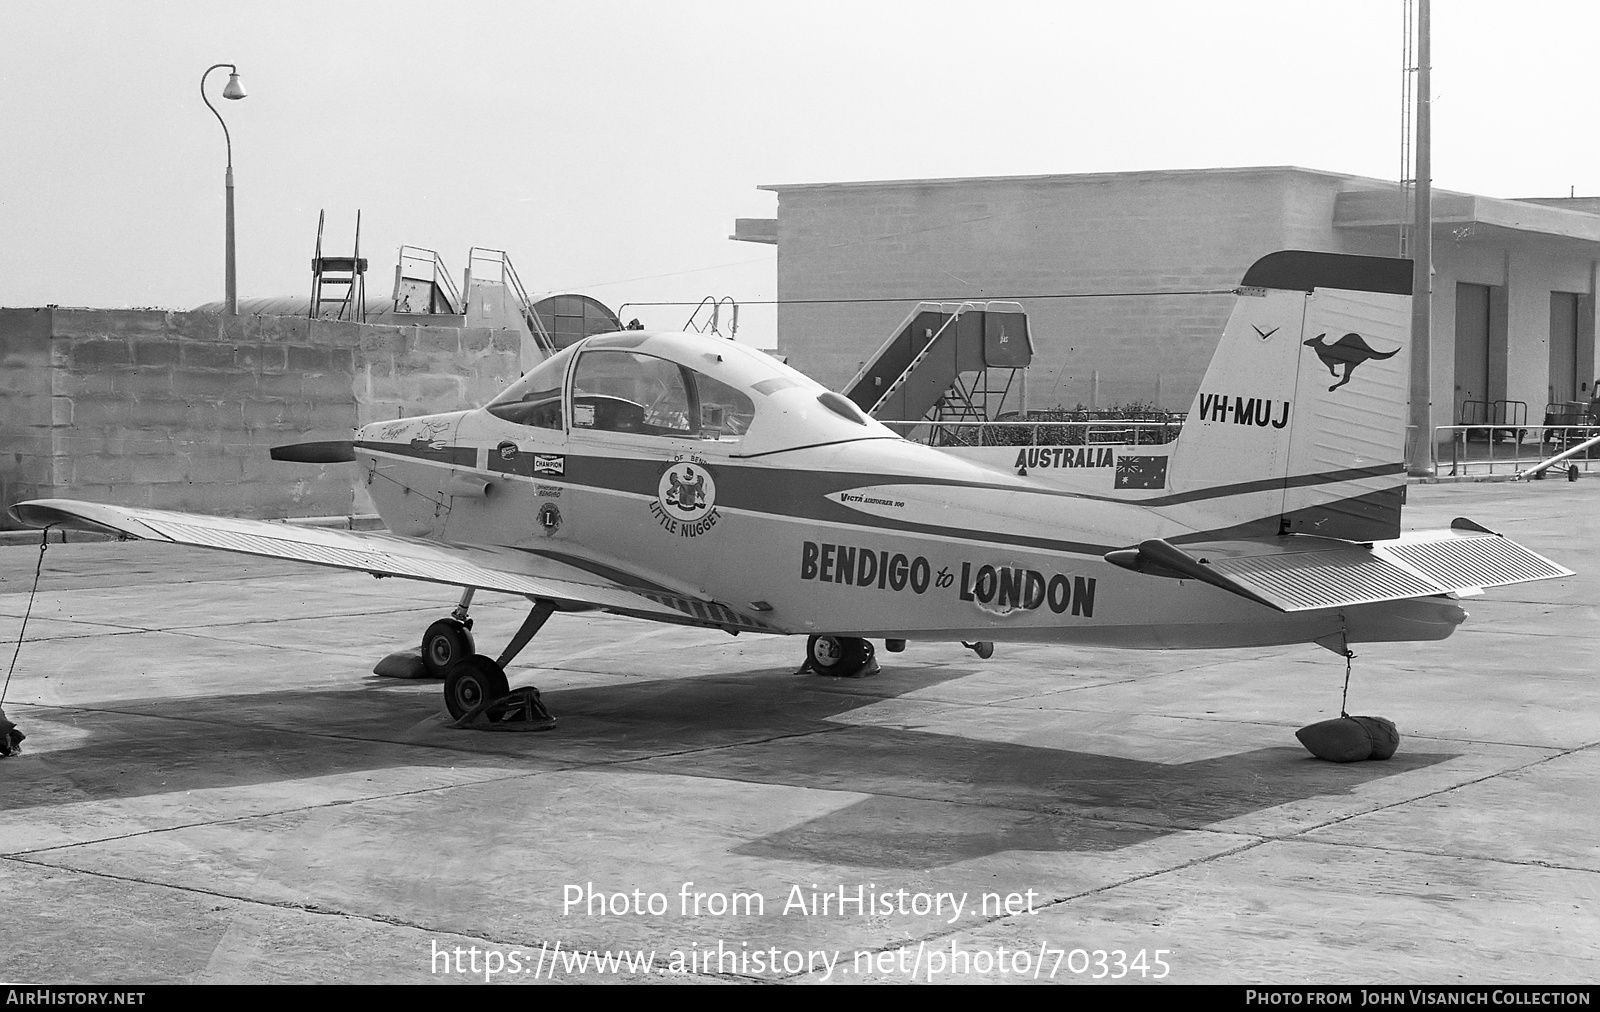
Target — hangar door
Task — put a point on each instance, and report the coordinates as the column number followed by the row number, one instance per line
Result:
column 1564, row 375
column 1472, row 353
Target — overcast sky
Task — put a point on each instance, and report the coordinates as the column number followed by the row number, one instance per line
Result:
column 609, row 146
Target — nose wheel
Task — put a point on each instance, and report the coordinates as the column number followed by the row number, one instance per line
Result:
column 840, row 656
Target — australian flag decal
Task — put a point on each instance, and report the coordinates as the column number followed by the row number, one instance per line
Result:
column 1141, row 472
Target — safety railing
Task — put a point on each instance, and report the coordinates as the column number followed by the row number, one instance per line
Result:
column 494, row 267
column 708, row 317
column 1467, row 450
column 421, row 282
column 1101, row 432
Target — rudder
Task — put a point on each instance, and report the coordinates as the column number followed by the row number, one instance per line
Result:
column 1299, row 425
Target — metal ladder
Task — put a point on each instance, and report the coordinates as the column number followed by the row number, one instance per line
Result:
column 346, row 276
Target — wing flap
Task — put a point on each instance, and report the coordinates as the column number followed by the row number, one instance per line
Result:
column 380, row 554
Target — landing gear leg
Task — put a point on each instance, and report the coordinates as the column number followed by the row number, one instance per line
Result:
column 478, row 696
column 459, row 612
column 540, row 613
column 983, row 648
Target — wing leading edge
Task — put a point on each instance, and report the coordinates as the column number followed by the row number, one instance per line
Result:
column 1300, row 573
column 380, row 554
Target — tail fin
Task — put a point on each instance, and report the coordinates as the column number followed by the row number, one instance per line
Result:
column 1299, row 424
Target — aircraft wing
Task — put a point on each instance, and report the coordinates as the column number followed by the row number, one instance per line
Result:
column 1300, row 573
column 380, row 554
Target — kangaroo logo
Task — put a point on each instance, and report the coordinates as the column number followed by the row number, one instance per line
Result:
column 1349, row 351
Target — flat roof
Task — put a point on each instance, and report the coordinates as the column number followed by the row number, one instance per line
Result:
column 1076, row 177
column 1457, row 211
column 1371, row 203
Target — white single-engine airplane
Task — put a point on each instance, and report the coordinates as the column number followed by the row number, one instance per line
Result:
column 692, row 480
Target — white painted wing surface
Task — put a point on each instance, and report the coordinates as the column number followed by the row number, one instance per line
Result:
column 378, row 553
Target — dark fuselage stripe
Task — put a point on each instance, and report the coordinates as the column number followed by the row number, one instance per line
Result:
column 813, row 495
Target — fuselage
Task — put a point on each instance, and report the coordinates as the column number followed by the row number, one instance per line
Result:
column 752, row 498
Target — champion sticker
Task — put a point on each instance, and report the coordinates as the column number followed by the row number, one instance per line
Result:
column 550, row 463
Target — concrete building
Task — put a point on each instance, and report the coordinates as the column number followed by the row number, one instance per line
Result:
column 1513, row 303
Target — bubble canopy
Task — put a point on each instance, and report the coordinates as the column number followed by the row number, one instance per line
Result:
column 684, row 386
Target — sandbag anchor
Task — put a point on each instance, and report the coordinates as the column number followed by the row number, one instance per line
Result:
column 1350, row 739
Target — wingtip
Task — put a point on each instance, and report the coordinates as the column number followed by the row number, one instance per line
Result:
column 48, row 513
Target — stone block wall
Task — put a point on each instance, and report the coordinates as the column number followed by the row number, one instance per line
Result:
column 25, row 405
column 178, row 410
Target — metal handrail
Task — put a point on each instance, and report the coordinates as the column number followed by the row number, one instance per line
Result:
column 714, row 325
column 1002, row 434
column 438, row 273
column 916, row 360
column 1457, row 436
column 511, row 281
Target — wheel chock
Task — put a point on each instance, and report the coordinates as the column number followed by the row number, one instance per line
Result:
column 405, row 664
column 869, row 667
column 866, row 669
column 10, row 737
column 518, row 710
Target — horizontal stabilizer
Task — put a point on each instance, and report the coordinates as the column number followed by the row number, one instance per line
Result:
column 1299, row 573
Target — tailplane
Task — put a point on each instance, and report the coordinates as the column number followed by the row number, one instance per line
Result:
column 1299, row 425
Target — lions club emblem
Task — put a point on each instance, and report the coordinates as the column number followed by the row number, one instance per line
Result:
column 687, row 491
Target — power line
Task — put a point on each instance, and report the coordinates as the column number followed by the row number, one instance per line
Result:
column 958, row 298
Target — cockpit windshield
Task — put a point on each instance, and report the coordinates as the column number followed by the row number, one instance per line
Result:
column 535, row 399
column 619, row 390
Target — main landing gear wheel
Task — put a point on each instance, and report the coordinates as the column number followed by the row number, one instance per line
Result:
column 445, row 643
column 840, row 656
column 471, row 682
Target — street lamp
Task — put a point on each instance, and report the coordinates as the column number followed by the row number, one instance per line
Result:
column 232, row 90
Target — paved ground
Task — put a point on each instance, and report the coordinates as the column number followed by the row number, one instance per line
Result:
column 215, row 789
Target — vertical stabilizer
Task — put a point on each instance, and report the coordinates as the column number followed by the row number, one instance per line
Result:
column 1299, row 424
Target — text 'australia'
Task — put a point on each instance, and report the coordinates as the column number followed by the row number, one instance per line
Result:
column 1064, row 456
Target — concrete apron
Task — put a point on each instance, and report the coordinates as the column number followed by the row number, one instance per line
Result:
column 214, row 789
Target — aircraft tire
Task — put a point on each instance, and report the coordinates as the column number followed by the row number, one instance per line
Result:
column 444, row 644
column 471, row 682
column 839, row 656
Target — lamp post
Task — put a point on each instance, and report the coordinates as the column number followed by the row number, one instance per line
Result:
column 232, row 90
